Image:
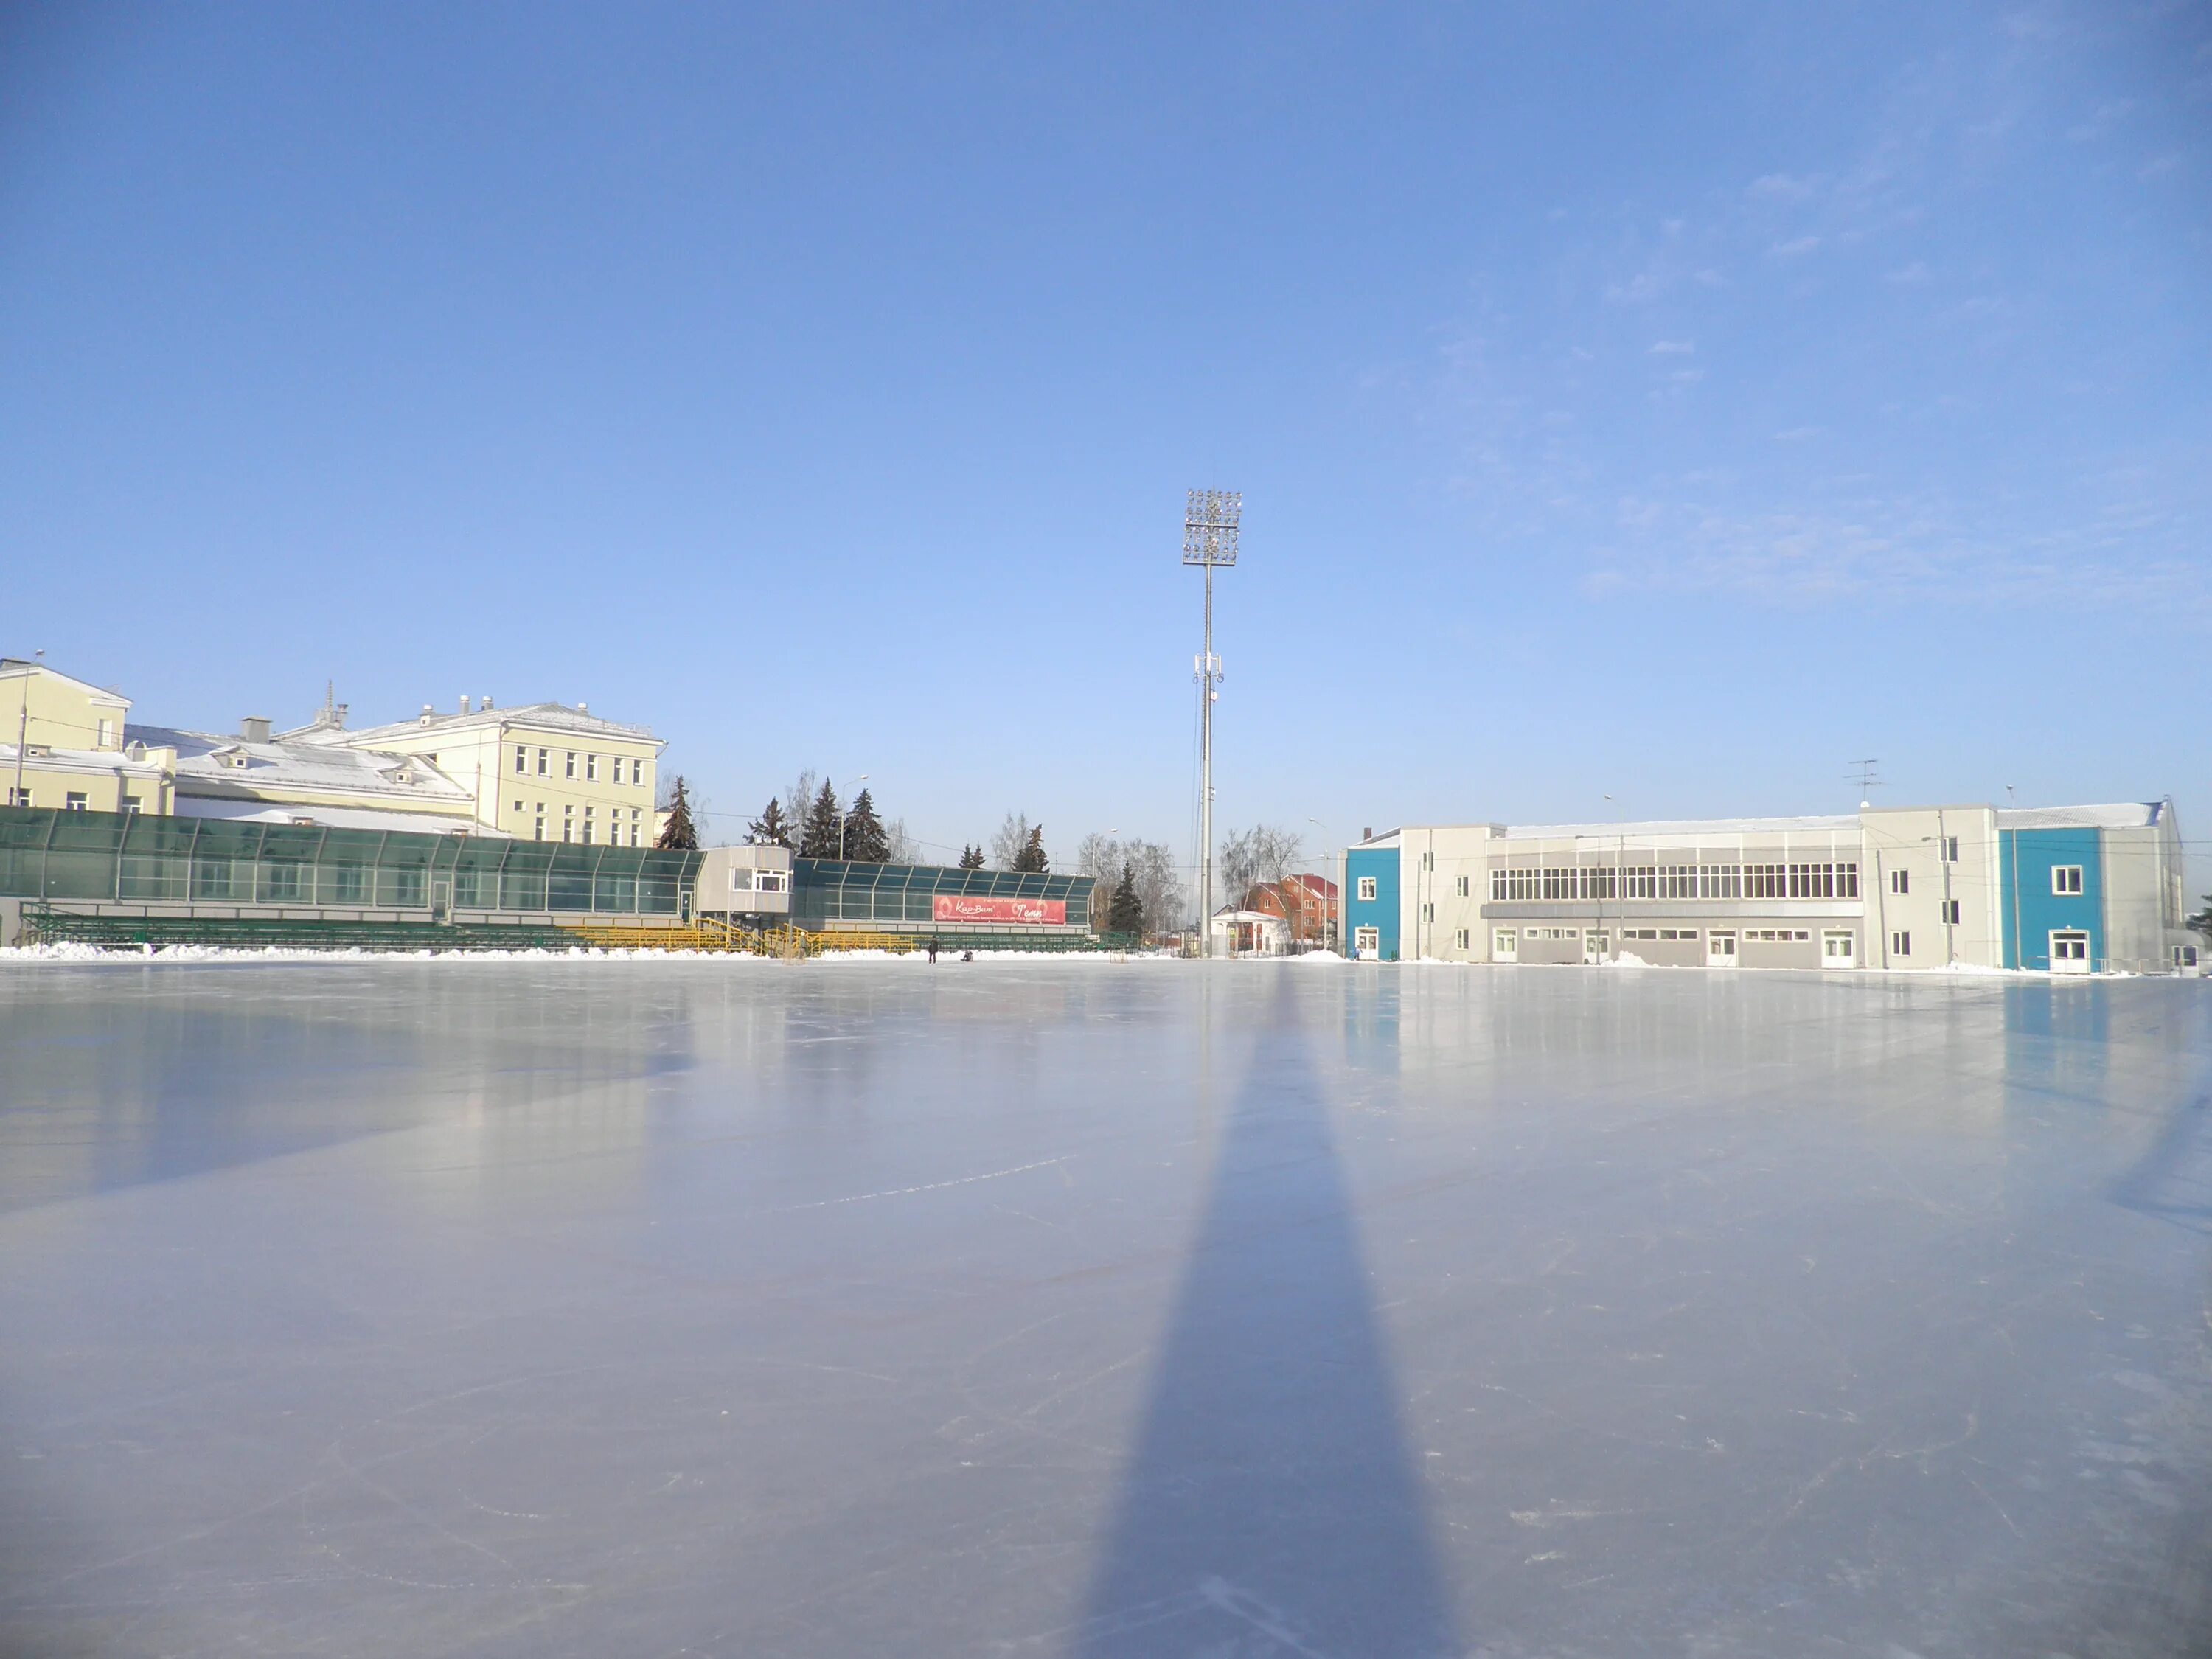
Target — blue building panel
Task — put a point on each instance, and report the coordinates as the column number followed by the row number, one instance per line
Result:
column 2037, row 898
column 1379, row 865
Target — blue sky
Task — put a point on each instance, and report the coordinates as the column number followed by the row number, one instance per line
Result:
column 1671, row 403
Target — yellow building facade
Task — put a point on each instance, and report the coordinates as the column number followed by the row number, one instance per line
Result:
column 62, row 745
column 539, row 771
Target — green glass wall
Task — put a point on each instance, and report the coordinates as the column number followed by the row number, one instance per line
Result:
column 897, row 895
column 48, row 854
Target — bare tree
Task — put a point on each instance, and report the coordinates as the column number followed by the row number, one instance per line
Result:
column 1008, row 841
column 1101, row 858
column 799, row 799
column 1159, row 884
column 1249, row 857
column 904, row 848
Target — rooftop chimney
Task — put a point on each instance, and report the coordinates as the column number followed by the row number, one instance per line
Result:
column 465, row 703
column 1367, row 834
column 486, row 700
column 254, row 728
column 583, row 708
column 425, row 721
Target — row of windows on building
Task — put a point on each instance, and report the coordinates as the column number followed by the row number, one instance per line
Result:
column 73, row 800
column 572, row 760
column 587, row 828
column 1674, row 881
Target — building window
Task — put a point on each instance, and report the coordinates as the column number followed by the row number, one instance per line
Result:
column 541, row 820
column 2066, row 878
column 107, row 735
column 1497, row 885
column 1950, row 849
column 1463, row 892
column 1900, row 944
column 543, row 757
column 518, row 806
column 587, row 826
column 1949, row 907
column 1900, row 881
column 131, row 805
column 570, row 765
column 521, row 758
column 590, row 768
column 76, row 801
column 1428, row 913
column 637, row 771
column 2070, row 947
column 1367, row 890
column 1462, row 932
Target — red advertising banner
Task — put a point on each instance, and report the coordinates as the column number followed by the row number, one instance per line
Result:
column 1037, row 913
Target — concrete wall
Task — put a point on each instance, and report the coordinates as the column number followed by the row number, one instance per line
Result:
column 727, row 883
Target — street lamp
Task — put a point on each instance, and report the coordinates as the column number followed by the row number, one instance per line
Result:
column 844, row 817
column 1326, row 836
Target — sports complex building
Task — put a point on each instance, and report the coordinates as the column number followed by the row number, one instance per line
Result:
column 2070, row 890
column 134, row 878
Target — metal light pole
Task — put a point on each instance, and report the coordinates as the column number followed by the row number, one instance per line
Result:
column 1210, row 520
column 1326, row 836
column 844, row 817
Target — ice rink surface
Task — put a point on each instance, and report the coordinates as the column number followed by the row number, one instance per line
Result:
column 1074, row 1309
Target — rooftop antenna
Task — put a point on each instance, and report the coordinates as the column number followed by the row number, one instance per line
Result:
column 1866, row 781
column 1210, row 522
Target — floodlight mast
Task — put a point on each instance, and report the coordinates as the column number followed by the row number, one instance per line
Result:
column 1210, row 519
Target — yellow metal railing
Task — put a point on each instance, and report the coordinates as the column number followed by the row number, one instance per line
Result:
column 709, row 933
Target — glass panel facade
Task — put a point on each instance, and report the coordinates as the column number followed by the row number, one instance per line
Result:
column 827, row 890
column 50, row 854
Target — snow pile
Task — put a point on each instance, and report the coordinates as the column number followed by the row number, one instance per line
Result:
column 235, row 953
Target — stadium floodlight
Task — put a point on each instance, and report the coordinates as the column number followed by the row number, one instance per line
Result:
column 1211, row 519
column 1210, row 522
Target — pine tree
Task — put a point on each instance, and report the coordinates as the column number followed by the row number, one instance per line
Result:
column 679, row 834
column 771, row 828
column 1031, row 859
column 971, row 858
column 864, row 839
column 819, row 840
column 1126, row 914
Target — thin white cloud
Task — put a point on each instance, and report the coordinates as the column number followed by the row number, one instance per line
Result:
column 1782, row 187
column 1795, row 246
column 1672, row 348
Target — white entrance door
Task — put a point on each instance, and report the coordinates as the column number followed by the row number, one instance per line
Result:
column 1595, row 945
column 1367, row 943
column 2069, row 952
column 1838, row 950
column 1720, row 950
column 1505, row 943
